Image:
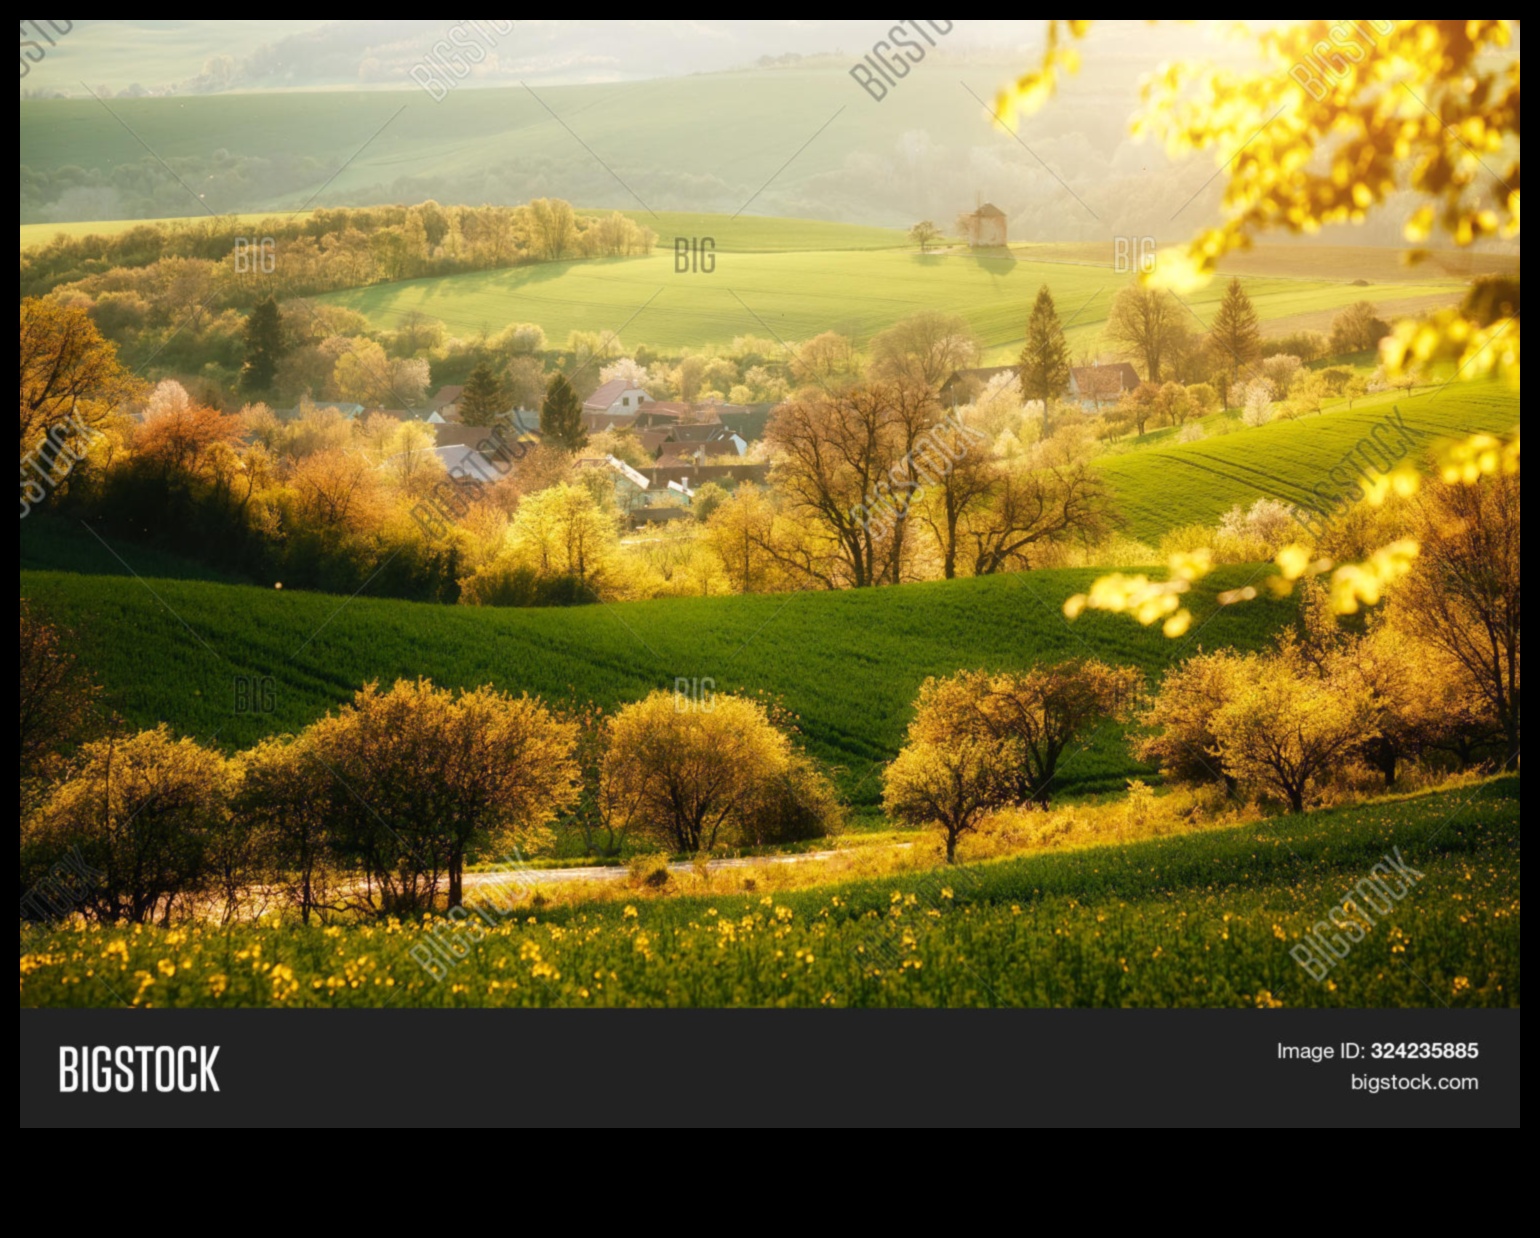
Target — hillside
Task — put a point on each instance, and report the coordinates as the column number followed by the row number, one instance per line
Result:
column 793, row 279
column 847, row 664
column 1162, row 487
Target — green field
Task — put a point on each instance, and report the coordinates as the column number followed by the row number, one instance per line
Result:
column 734, row 142
column 797, row 293
column 1205, row 920
column 847, row 664
column 1162, row 487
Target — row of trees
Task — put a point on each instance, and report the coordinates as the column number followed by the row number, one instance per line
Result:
column 379, row 807
column 1433, row 674
column 324, row 250
column 1435, row 671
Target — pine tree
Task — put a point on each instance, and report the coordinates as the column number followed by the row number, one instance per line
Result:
column 484, row 398
column 561, row 416
column 1045, row 355
column 1235, row 331
column 264, row 346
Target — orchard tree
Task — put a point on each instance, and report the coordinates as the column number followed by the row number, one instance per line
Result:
column 691, row 772
column 282, row 797
column 1032, row 505
column 421, row 777
column 143, row 811
column 952, row 785
column 845, row 470
column 1287, row 728
column 1147, row 325
column 1179, row 720
column 564, row 530
column 924, row 349
column 1033, row 715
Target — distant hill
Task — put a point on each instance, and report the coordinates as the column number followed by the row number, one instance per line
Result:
column 799, row 140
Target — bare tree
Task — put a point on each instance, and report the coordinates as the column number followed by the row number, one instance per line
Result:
column 1145, row 324
column 1462, row 596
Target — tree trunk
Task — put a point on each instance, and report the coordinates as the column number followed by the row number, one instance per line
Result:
column 951, row 847
column 1383, row 756
column 456, row 877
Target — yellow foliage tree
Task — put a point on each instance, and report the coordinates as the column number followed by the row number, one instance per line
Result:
column 146, row 812
column 1338, row 118
column 952, row 784
column 1286, row 728
column 692, row 773
column 419, row 776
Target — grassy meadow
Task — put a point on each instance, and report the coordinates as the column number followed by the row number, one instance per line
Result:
column 846, row 664
column 1205, row 919
column 1167, row 484
column 792, row 280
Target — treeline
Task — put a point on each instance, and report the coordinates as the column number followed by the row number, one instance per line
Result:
column 378, row 808
column 1338, row 706
column 240, row 261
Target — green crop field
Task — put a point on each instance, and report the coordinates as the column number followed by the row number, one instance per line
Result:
column 796, row 293
column 847, row 664
column 1206, row 919
column 1163, row 487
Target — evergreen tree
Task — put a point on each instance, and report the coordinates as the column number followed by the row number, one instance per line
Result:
column 264, row 346
column 1235, row 332
column 1045, row 355
column 561, row 416
column 484, row 399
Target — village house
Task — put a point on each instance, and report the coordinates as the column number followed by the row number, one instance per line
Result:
column 617, row 398
column 1095, row 385
column 748, row 421
column 445, row 404
column 630, row 486
column 965, row 386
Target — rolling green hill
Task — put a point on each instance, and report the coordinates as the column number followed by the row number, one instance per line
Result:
column 847, row 664
column 1163, row 487
column 792, row 279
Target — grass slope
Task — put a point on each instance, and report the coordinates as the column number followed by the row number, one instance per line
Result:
column 847, row 664
column 773, row 279
column 1162, row 487
column 1203, row 920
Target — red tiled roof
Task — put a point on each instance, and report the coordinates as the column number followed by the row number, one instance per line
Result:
column 1105, row 381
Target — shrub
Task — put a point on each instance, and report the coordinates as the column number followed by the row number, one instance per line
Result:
column 795, row 805
column 650, row 871
column 143, row 812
